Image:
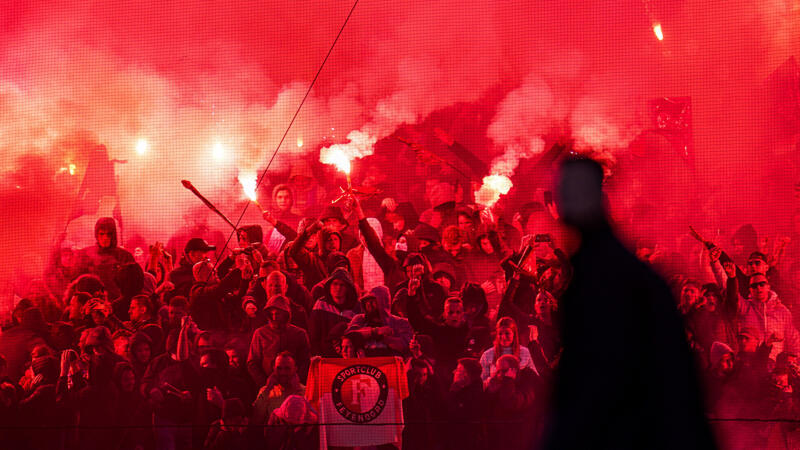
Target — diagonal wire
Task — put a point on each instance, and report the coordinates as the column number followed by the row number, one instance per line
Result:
column 288, row 128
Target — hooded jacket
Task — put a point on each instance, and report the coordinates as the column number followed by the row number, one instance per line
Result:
column 294, row 292
column 769, row 317
column 401, row 329
column 267, row 343
column 326, row 314
column 431, row 294
column 104, row 262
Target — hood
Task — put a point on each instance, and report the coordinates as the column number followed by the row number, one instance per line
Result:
column 417, row 258
column 384, row 298
column 283, row 187
column 718, row 350
column 352, row 293
column 325, row 234
column 279, row 302
column 427, row 232
column 107, row 224
column 446, row 269
column 336, row 260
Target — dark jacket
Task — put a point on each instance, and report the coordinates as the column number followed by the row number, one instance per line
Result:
column 182, row 278
column 327, row 314
column 465, row 409
column 267, row 343
column 209, row 302
column 298, row 308
column 620, row 323
column 104, row 262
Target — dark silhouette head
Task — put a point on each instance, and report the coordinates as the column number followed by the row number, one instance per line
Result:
column 580, row 193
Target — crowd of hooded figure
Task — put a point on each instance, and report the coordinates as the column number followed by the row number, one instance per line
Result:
column 213, row 350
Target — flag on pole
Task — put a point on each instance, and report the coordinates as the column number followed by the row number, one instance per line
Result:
column 98, row 182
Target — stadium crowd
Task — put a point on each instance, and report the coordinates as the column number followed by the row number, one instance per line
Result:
column 190, row 346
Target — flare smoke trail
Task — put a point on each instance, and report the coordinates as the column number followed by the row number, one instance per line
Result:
column 210, row 88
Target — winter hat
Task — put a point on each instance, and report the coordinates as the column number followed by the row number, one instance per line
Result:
column 718, row 350
column 248, row 299
column 198, row 244
column 426, row 232
column 333, row 212
column 337, row 259
column 444, row 269
column 757, row 255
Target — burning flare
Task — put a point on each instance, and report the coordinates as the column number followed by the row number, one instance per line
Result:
column 657, row 30
column 493, row 187
column 248, row 181
column 142, row 146
column 335, row 156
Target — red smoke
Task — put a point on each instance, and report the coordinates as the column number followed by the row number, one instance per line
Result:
column 193, row 77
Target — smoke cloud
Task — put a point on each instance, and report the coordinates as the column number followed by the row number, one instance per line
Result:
column 212, row 87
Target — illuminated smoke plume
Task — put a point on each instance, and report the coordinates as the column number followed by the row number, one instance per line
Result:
column 199, row 79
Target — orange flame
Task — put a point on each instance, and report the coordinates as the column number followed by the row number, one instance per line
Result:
column 248, row 181
column 493, row 187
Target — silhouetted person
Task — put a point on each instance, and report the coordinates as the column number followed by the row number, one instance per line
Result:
column 626, row 378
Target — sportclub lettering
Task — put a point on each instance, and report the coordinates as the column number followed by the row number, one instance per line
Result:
column 359, row 393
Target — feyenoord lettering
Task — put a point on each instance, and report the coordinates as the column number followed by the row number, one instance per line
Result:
column 359, row 393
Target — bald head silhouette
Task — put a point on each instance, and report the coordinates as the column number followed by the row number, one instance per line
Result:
column 580, row 193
